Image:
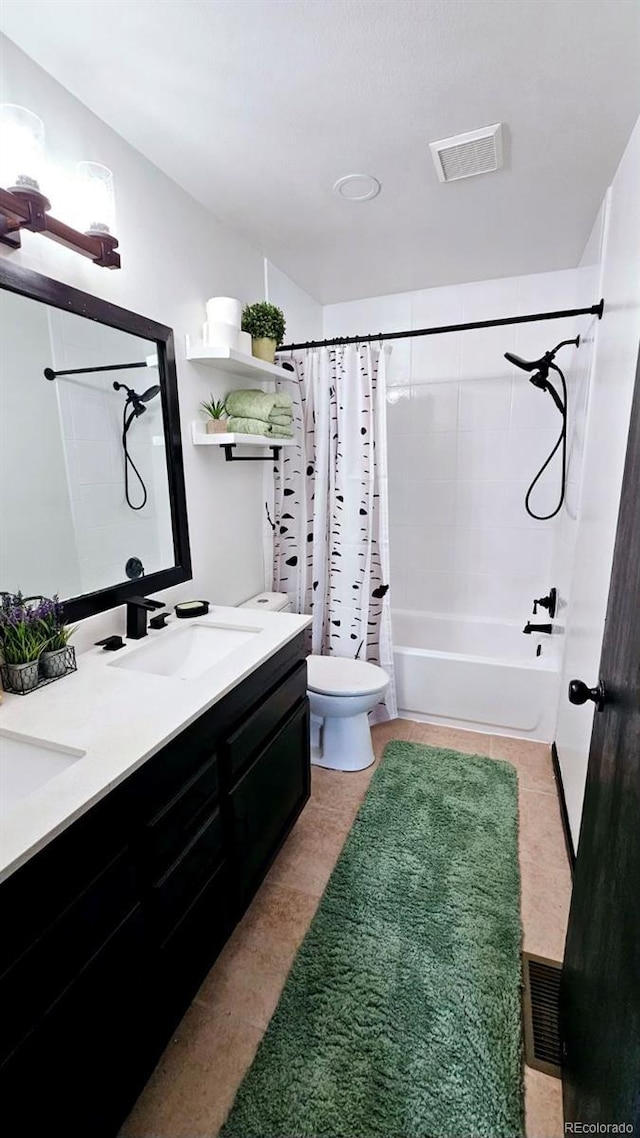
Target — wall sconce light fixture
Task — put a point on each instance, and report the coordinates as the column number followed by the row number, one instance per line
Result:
column 24, row 206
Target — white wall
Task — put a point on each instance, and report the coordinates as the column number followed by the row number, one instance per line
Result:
column 175, row 254
column 617, row 338
column 467, row 433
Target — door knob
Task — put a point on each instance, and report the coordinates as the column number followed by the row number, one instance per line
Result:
column 580, row 693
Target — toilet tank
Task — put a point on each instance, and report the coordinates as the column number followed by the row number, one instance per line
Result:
column 272, row 602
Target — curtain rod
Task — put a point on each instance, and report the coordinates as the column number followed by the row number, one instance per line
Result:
column 595, row 310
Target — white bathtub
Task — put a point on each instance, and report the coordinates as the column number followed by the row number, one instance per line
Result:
column 478, row 674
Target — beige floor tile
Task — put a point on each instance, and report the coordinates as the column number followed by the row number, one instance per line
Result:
column 310, row 852
column 274, row 925
column 543, row 1105
column 194, row 1084
column 541, row 835
column 240, row 985
column 531, row 760
column 469, row 742
column 341, row 791
column 545, row 901
column 383, row 733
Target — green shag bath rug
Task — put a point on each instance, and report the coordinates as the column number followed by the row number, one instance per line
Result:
column 400, row 1017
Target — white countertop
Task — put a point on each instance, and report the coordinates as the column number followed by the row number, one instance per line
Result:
column 120, row 718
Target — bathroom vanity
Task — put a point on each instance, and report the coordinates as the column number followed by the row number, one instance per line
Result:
column 110, row 927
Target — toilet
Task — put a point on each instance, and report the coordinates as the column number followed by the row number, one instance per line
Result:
column 341, row 694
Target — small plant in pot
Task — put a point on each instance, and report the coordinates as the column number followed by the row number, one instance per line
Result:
column 23, row 638
column 215, row 411
column 55, row 658
column 266, row 325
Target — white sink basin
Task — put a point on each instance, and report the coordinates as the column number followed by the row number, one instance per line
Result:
column 188, row 652
column 26, row 764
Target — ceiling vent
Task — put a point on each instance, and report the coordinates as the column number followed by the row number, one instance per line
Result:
column 464, row 155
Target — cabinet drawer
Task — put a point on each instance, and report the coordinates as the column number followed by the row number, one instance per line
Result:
column 164, row 776
column 268, row 799
column 32, row 983
column 173, row 893
column 167, row 834
column 265, row 719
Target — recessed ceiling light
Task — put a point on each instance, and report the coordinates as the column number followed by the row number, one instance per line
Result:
column 357, row 187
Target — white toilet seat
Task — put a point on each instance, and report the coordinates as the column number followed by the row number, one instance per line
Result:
column 339, row 676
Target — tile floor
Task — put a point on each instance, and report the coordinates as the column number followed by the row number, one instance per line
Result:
column 193, row 1086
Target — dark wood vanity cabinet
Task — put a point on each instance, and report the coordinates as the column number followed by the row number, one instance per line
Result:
column 108, row 932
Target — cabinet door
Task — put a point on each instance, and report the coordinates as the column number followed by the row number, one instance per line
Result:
column 267, row 800
column 78, row 1072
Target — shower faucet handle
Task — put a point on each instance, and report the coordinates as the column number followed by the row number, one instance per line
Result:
column 550, row 603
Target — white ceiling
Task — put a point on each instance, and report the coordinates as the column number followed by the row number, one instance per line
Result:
column 256, row 107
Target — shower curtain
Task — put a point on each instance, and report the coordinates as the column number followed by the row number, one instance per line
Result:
column 331, row 521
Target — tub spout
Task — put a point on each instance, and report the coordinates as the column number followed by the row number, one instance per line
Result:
column 529, row 628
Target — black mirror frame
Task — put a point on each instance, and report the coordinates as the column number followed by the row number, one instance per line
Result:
column 36, row 287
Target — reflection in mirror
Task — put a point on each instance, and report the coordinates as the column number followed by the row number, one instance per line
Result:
column 85, row 492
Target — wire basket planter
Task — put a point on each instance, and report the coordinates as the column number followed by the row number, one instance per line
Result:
column 21, row 679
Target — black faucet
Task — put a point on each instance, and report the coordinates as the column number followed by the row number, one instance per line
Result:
column 529, row 628
column 137, row 609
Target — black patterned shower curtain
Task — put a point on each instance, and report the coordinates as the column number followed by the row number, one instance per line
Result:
column 331, row 518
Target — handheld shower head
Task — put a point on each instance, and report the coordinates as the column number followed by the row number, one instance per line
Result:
column 150, row 393
column 526, row 365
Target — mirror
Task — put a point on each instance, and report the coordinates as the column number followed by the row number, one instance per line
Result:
column 90, row 455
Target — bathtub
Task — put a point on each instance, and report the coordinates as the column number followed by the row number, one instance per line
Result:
column 481, row 675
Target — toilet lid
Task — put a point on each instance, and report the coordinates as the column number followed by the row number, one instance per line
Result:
column 337, row 675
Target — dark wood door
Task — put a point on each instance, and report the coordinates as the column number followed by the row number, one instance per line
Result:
column 601, row 975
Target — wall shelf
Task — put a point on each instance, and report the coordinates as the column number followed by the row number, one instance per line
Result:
column 229, row 441
column 234, row 362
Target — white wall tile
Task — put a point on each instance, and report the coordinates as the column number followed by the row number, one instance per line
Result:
column 430, row 503
column 485, row 404
column 431, row 457
column 429, row 548
column 483, row 455
column 434, row 407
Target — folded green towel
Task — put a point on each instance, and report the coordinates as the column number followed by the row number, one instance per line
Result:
column 241, row 425
column 281, row 420
column 258, row 404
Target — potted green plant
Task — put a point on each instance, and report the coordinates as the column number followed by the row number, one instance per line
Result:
column 266, row 325
column 54, row 659
column 23, row 638
column 214, row 410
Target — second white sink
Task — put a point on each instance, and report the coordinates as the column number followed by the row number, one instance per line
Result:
column 26, row 764
column 188, row 652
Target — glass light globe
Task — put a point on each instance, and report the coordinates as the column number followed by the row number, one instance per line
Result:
column 95, row 199
column 22, row 157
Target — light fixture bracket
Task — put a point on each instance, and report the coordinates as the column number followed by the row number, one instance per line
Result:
column 28, row 209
